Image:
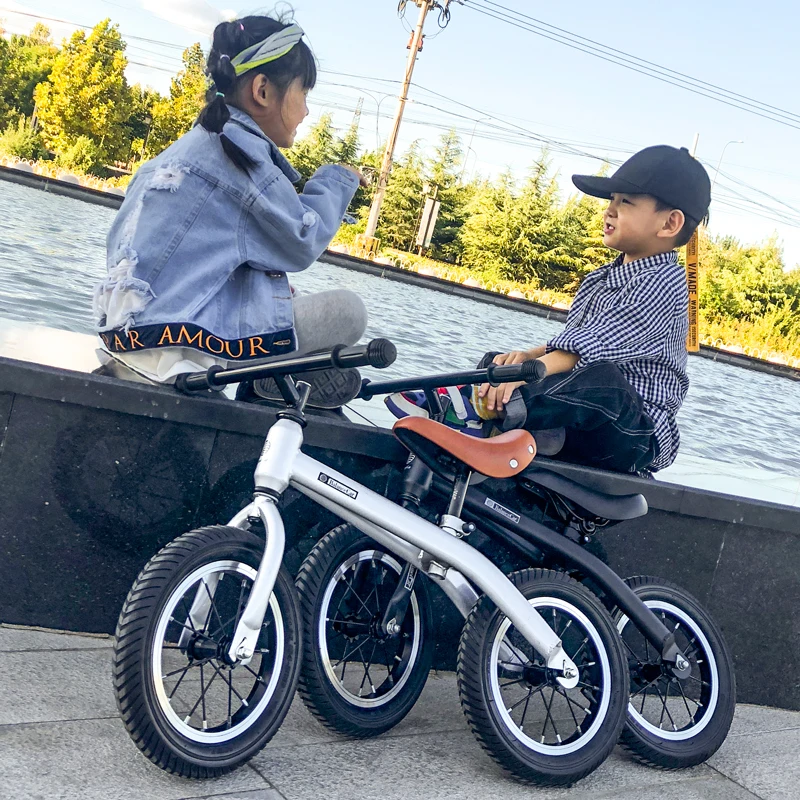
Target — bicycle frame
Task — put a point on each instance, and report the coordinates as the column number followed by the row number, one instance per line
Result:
column 446, row 558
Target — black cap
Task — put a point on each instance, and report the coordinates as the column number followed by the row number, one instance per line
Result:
column 666, row 173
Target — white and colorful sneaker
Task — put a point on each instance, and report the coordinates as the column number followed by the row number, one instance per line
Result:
column 459, row 412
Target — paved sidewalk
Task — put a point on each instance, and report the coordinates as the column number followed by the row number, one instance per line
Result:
column 60, row 738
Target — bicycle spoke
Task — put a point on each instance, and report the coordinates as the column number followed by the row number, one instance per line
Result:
column 571, row 702
column 688, row 710
column 213, row 608
column 175, row 689
column 202, row 695
column 547, row 716
column 664, row 709
column 525, row 709
column 533, row 690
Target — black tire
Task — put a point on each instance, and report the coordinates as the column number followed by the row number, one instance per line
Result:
column 700, row 708
column 397, row 682
column 158, row 657
column 589, row 638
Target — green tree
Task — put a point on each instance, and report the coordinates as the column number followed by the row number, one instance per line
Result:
column 86, row 93
column 402, row 203
column 443, row 173
column 139, row 124
column 174, row 115
column 346, row 149
column 487, row 233
column 319, row 146
column 25, row 61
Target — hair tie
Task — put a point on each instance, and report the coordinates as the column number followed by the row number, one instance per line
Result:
column 221, row 94
column 241, row 26
column 224, row 55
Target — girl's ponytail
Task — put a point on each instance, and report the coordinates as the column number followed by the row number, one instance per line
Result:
column 228, row 40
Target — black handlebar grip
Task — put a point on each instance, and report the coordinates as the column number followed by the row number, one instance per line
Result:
column 378, row 353
column 533, row 371
column 381, row 353
column 187, row 383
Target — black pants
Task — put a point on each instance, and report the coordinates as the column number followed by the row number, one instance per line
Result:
column 603, row 415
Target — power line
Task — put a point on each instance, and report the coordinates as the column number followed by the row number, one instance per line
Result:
column 616, row 52
column 756, row 108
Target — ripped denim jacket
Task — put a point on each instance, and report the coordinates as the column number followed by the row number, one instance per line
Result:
column 199, row 251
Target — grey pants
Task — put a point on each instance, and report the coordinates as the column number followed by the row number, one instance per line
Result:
column 324, row 319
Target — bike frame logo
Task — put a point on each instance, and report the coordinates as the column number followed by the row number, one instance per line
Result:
column 340, row 487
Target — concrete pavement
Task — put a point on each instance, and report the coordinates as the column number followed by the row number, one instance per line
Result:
column 60, row 738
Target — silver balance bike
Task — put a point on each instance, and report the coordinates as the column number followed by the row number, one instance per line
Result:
column 209, row 642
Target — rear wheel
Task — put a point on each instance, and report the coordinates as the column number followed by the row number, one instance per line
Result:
column 530, row 724
column 356, row 679
column 677, row 722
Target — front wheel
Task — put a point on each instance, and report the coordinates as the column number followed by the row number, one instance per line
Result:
column 530, row 724
column 677, row 722
column 187, row 707
column 356, row 679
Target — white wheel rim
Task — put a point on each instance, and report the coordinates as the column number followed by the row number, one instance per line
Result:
column 689, row 622
column 494, row 680
column 178, row 723
column 322, row 634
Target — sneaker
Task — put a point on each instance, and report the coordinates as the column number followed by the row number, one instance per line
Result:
column 459, row 412
column 330, row 388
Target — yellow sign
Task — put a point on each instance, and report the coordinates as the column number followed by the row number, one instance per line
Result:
column 692, row 259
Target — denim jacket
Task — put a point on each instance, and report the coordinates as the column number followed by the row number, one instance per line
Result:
column 199, row 251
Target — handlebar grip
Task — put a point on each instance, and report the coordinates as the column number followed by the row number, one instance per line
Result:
column 188, row 383
column 533, row 371
column 379, row 353
column 529, row 371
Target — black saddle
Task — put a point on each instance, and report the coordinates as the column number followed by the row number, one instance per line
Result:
column 598, row 504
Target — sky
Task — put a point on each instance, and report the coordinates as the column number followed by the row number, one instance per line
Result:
column 505, row 89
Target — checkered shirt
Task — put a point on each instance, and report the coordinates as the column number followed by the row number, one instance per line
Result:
column 635, row 315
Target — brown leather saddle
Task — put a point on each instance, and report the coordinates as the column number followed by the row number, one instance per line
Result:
column 503, row 456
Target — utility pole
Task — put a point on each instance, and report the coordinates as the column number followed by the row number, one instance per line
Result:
column 370, row 243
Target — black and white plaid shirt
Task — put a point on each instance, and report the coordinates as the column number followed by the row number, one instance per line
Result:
column 635, row 315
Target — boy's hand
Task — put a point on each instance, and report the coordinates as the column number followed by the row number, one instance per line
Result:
column 498, row 396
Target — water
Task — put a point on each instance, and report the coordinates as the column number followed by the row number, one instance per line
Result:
column 52, row 252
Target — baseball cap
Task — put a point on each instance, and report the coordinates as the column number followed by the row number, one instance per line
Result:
column 666, row 173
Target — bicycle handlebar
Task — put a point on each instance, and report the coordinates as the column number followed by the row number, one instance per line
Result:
column 495, row 374
column 379, row 353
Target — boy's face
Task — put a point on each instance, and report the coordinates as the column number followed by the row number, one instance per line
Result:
column 634, row 227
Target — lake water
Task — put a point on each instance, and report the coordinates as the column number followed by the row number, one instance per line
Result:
column 52, row 252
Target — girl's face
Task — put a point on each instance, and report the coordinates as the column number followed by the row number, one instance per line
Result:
column 278, row 116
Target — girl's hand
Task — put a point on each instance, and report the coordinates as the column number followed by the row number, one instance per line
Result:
column 362, row 179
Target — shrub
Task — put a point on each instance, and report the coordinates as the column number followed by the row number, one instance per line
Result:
column 21, row 141
column 83, row 155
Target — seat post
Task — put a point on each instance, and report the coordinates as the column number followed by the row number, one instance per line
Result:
column 460, row 486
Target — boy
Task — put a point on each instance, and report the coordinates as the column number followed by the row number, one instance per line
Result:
column 616, row 375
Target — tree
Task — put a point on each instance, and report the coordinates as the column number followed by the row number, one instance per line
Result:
column 346, row 149
column 25, row 61
column 175, row 115
column 317, row 147
column 443, row 173
column 487, row 233
column 143, row 101
column 403, row 200
column 86, row 93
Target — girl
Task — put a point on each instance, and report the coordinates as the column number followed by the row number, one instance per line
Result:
column 199, row 251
